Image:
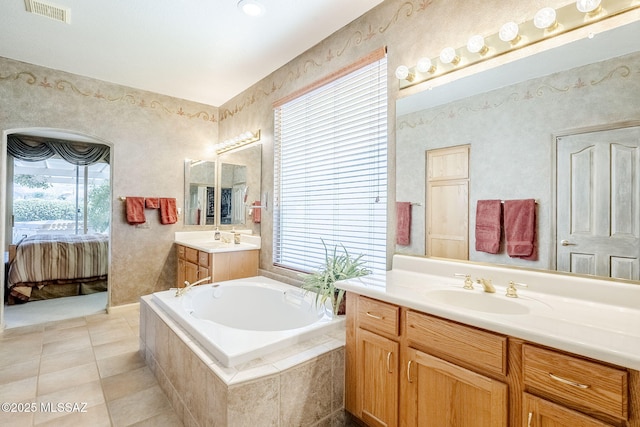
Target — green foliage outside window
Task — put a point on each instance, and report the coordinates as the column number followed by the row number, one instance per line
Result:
column 37, row 209
column 43, row 210
column 98, row 211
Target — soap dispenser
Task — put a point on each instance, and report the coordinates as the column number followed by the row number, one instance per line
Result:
column 216, row 234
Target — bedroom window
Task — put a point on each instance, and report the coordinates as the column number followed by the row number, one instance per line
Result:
column 330, row 167
column 55, row 196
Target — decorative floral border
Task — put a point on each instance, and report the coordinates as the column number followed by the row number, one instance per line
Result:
column 621, row 71
column 64, row 85
column 358, row 37
column 365, row 34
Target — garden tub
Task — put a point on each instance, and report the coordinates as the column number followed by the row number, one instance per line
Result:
column 244, row 319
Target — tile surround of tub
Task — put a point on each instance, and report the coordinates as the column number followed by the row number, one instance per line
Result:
column 302, row 385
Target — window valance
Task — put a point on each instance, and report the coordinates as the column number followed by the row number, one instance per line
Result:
column 34, row 149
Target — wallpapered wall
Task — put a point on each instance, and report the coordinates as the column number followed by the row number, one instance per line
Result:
column 152, row 134
column 410, row 30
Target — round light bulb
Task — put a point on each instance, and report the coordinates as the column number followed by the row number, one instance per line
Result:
column 588, row 6
column 402, row 72
column 509, row 32
column 545, row 18
column 476, row 45
column 424, row 65
column 448, row 56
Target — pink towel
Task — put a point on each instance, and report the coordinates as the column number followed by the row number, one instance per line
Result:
column 135, row 210
column 520, row 227
column 152, row 203
column 256, row 212
column 488, row 221
column 168, row 211
column 403, row 227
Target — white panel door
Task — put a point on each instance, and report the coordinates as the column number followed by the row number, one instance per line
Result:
column 598, row 206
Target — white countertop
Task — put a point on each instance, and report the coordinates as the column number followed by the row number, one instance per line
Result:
column 204, row 241
column 594, row 318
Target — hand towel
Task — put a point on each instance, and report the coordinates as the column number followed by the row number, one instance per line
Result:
column 520, row 227
column 168, row 211
column 488, row 221
column 403, row 227
column 135, row 210
column 256, row 212
column 152, row 203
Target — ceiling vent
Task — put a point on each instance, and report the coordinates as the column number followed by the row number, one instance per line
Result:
column 49, row 10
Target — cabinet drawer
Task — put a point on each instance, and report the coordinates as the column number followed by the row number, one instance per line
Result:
column 191, row 255
column 577, row 382
column 475, row 347
column 378, row 316
column 203, row 259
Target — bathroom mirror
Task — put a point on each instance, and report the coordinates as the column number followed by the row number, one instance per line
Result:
column 239, row 186
column 515, row 118
column 199, row 200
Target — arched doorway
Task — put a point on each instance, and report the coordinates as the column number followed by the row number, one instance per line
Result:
column 56, row 208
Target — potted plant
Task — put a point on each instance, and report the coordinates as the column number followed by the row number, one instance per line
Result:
column 337, row 266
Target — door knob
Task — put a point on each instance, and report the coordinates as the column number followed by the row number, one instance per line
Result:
column 566, row 243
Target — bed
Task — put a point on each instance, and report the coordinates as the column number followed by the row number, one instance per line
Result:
column 57, row 265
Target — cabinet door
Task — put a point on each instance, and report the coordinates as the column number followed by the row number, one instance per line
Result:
column 440, row 393
column 377, row 379
column 203, row 272
column 538, row 412
column 190, row 272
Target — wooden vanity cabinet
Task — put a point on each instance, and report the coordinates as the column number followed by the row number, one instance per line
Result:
column 567, row 387
column 377, row 353
column 454, row 375
column 438, row 391
column 194, row 265
column 538, row 412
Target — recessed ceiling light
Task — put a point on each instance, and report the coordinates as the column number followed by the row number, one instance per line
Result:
column 251, row 7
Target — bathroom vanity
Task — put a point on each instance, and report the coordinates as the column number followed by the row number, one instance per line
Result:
column 423, row 351
column 199, row 256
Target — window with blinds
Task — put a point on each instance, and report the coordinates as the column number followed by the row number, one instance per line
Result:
column 330, row 180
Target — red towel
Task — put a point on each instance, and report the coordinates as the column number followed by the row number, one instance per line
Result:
column 520, row 227
column 135, row 210
column 488, row 220
column 403, row 227
column 152, row 203
column 256, row 212
column 168, row 211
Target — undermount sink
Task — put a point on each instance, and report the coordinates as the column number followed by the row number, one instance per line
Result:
column 485, row 302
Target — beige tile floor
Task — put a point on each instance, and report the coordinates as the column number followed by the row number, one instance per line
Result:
column 88, row 363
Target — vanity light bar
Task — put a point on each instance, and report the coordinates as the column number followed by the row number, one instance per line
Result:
column 546, row 24
column 241, row 140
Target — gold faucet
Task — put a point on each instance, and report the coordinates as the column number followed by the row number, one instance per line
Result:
column 486, row 285
column 512, row 292
column 187, row 286
column 468, row 283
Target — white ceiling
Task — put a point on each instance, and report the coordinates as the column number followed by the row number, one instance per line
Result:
column 206, row 51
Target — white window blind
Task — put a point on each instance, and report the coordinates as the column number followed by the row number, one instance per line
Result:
column 330, row 178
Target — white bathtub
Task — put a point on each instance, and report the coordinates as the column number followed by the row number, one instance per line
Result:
column 240, row 320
